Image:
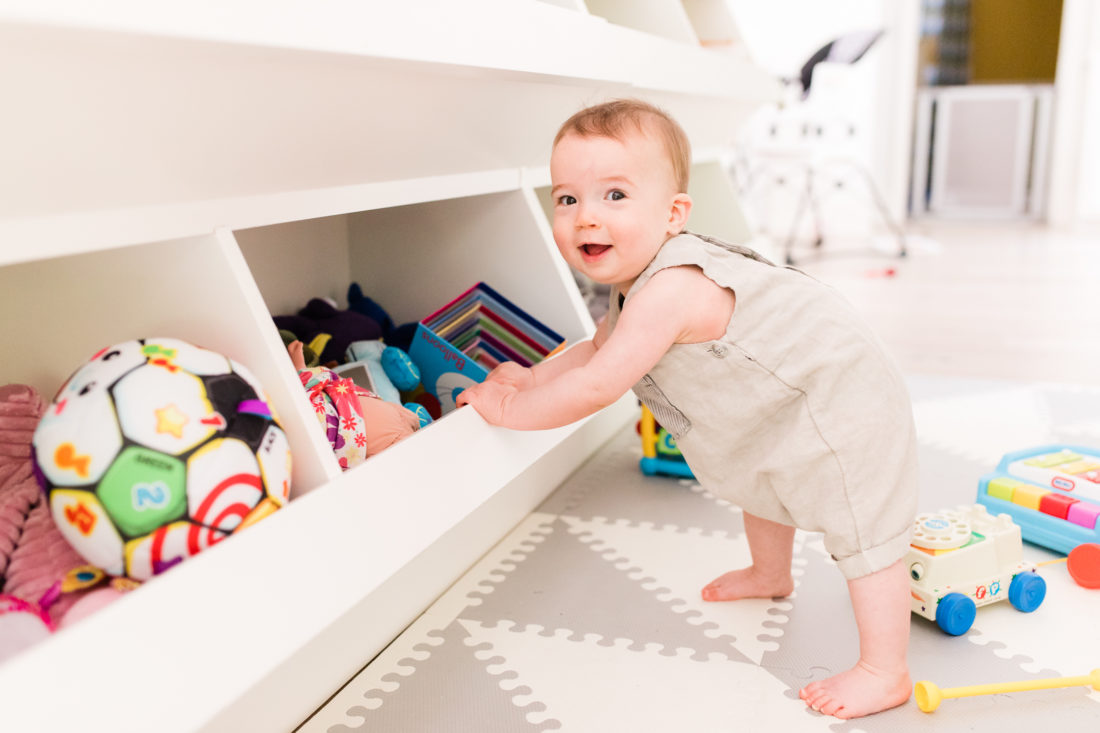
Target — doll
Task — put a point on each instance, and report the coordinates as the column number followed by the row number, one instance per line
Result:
column 357, row 422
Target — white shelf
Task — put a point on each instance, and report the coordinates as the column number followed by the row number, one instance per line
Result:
column 190, row 169
column 713, row 24
column 513, row 36
column 257, row 632
column 171, row 131
column 73, row 232
column 665, row 18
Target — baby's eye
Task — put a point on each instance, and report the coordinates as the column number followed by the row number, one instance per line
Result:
column 616, row 195
column 566, row 200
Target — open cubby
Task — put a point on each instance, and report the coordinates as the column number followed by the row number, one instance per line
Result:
column 413, row 259
column 193, row 289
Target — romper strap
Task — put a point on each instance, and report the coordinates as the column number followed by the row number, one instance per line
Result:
column 735, row 248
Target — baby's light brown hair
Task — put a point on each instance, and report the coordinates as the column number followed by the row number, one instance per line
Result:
column 613, row 119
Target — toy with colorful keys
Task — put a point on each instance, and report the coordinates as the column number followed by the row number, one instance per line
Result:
column 1051, row 491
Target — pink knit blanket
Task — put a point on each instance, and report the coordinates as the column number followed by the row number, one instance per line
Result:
column 33, row 553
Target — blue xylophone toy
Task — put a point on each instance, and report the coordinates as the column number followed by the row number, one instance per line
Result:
column 1051, row 491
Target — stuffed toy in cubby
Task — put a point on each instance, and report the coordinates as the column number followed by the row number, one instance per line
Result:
column 328, row 330
column 38, row 566
column 309, row 356
column 156, row 449
column 357, row 422
column 394, row 377
column 399, row 336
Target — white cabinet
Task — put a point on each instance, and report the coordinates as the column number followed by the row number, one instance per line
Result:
column 190, row 169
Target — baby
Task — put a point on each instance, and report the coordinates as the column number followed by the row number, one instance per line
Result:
column 779, row 398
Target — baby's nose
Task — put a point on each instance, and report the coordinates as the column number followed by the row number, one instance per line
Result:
column 586, row 218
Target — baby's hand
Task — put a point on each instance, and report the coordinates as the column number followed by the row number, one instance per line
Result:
column 512, row 374
column 489, row 399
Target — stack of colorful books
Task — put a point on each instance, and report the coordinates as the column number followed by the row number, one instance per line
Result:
column 457, row 345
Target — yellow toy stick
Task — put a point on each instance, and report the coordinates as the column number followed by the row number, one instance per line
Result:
column 649, row 433
column 929, row 696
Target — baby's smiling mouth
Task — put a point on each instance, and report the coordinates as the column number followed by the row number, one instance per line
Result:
column 594, row 250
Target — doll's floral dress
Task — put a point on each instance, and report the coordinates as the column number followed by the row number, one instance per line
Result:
column 336, row 403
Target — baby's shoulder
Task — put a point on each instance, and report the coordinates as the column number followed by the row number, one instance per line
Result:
column 683, row 283
column 702, row 306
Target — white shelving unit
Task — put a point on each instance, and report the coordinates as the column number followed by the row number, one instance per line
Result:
column 190, row 169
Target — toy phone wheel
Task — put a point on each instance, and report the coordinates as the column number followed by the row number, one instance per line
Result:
column 1027, row 591
column 955, row 614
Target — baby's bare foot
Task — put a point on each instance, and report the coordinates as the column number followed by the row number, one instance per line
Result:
column 860, row 691
column 747, row 583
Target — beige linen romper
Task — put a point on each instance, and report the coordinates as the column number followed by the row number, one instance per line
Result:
column 797, row 414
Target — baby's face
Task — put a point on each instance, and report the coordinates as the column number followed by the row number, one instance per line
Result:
column 613, row 204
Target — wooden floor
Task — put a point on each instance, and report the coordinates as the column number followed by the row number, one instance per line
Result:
column 1003, row 300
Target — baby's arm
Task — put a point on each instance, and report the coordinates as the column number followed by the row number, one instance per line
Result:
column 678, row 305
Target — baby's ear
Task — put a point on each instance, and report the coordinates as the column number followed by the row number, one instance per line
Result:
column 678, row 213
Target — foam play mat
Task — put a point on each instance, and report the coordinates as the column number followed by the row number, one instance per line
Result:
column 587, row 617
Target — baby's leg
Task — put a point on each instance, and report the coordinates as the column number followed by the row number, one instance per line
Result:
column 771, row 546
column 880, row 679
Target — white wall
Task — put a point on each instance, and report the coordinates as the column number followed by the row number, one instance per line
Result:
column 1088, row 192
column 782, row 34
column 876, row 93
column 1074, row 186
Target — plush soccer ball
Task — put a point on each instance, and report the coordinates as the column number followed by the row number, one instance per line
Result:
column 155, row 450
